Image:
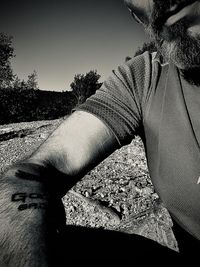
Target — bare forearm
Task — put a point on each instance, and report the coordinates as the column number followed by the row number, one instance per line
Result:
column 31, row 212
column 23, row 214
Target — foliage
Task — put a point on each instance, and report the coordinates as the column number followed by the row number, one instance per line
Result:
column 7, row 78
column 17, row 104
column 32, row 81
column 31, row 105
column 6, row 54
column 150, row 46
column 16, row 82
column 84, row 86
column 20, row 100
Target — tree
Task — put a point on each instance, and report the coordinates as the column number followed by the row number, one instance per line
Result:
column 150, row 46
column 16, row 84
column 6, row 54
column 84, row 86
column 23, row 85
column 32, row 81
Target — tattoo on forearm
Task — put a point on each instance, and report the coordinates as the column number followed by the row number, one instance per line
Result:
column 23, row 197
column 32, row 206
column 26, row 200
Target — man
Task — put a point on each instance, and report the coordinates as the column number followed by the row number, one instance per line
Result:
column 153, row 95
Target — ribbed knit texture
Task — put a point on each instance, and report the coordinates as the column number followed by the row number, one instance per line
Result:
column 120, row 101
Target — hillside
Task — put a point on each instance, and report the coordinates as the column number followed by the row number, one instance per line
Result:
column 30, row 105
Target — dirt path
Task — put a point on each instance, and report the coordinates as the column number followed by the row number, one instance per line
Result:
column 117, row 194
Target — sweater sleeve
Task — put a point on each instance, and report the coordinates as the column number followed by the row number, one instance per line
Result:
column 119, row 101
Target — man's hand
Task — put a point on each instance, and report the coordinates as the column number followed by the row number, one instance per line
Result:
column 31, row 211
column 31, row 217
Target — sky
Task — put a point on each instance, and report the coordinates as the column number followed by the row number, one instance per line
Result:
column 61, row 38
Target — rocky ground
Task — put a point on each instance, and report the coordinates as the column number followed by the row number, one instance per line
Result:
column 117, row 194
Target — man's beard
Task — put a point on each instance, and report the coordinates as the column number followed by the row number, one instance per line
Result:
column 175, row 43
column 179, row 47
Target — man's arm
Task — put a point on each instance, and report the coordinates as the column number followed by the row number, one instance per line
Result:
column 30, row 203
column 77, row 145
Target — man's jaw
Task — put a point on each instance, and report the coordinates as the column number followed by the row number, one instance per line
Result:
column 178, row 42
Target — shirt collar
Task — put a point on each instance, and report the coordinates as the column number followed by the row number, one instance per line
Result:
column 156, row 57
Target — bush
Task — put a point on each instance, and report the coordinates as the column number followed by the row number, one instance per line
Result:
column 31, row 105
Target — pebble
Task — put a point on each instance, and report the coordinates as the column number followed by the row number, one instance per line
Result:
column 87, row 194
column 123, row 189
column 43, row 135
column 6, row 129
column 117, row 207
column 72, row 209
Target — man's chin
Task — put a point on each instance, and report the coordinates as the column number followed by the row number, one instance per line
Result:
column 184, row 53
column 186, row 59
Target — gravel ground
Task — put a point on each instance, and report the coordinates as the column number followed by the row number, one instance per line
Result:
column 117, row 194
